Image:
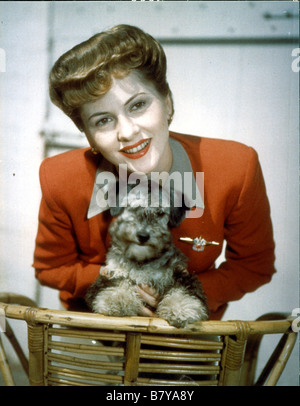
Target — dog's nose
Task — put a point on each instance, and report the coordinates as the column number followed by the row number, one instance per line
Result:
column 143, row 236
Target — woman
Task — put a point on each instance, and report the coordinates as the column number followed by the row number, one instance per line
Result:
column 114, row 88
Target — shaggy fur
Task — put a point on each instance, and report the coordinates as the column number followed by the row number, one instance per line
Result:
column 142, row 252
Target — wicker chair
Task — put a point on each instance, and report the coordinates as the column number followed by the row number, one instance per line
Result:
column 73, row 348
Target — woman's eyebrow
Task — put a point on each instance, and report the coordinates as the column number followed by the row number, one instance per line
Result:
column 100, row 113
column 133, row 97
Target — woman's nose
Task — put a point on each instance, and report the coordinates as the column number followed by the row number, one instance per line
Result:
column 127, row 128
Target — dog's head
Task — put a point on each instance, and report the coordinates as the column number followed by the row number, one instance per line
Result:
column 144, row 219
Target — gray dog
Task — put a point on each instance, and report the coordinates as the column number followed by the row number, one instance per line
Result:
column 142, row 252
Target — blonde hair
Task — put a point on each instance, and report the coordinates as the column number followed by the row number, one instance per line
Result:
column 84, row 73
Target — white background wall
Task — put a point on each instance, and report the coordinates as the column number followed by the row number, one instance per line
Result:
column 244, row 92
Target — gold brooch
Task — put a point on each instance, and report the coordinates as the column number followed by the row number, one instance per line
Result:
column 198, row 243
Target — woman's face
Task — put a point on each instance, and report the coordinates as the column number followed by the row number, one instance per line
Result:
column 129, row 125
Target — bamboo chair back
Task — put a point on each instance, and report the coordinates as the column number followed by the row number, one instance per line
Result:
column 72, row 348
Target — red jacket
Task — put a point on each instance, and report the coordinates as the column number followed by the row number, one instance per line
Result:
column 70, row 248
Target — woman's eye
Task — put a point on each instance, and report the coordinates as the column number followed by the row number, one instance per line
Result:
column 103, row 121
column 138, row 106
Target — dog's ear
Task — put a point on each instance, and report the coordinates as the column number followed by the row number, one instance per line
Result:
column 115, row 206
column 121, row 198
column 177, row 214
column 178, row 209
column 116, row 211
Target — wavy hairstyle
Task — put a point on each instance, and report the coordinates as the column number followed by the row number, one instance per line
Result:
column 84, row 73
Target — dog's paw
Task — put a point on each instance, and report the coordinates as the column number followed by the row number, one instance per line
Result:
column 117, row 301
column 180, row 309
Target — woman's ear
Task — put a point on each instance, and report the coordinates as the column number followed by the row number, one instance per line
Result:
column 169, row 107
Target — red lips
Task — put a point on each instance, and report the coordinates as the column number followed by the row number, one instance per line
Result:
column 137, row 150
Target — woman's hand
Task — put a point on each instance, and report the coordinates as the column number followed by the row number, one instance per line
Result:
column 150, row 298
column 149, row 295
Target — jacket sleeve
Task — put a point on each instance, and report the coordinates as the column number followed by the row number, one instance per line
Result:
column 57, row 261
column 249, row 243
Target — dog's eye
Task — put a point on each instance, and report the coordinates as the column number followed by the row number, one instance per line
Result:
column 160, row 213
